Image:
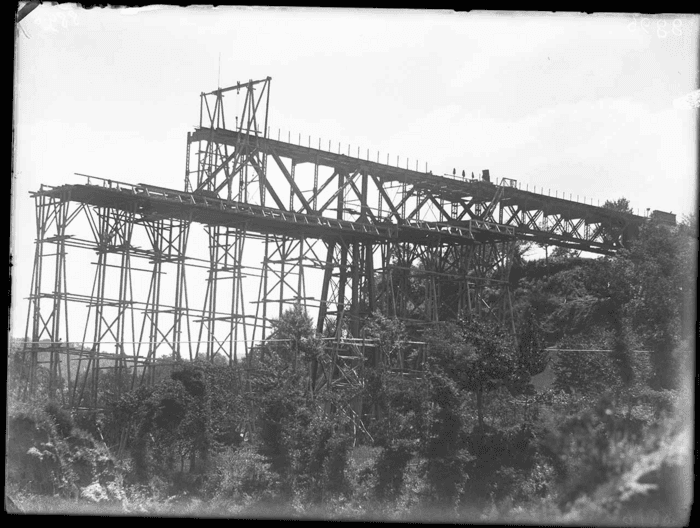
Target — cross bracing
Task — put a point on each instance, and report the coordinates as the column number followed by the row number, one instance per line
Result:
column 279, row 225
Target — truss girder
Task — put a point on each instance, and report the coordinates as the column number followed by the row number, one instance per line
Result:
column 537, row 217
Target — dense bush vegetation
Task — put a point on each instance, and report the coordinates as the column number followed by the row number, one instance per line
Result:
column 469, row 437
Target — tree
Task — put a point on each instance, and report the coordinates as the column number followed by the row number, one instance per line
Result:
column 294, row 343
column 532, row 357
column 390, row 336
column 621, row 205
column 520, row 250
column 194, row 412
column 445, row 456
column 302, row 434
column 585, row 372
column 688, row 233
column 659, row 257
column 401, row 428
column 477, row 355
column 398, row 403
column 563, row 253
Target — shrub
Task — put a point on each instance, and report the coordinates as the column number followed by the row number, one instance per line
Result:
column 318, row 450
column 46, row 454
column 390, row 467
column 337, row 463
column 241, row 473
column 594, row 445
column 506, row 463
column 402, row 425
column 304, row 444
column 650, row 484
column 445, row 466
column 60, row 417
column 589, row 372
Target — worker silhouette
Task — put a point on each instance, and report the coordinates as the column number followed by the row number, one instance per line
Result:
column 472, row 175
column 463, row 175
column 454, row 172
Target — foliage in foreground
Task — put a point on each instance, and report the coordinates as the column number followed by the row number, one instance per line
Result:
column 470, row 439
column 598, row 465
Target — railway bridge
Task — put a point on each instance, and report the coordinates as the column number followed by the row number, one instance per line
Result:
column 279, row 224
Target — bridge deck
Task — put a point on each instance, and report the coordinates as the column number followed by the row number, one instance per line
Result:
column 156, row 202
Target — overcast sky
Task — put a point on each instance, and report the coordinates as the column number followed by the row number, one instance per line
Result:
column 588, row 105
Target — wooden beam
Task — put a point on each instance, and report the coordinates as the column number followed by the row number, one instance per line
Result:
column 291, row 181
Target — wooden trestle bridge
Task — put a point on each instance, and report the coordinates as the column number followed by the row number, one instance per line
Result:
column 340, row 235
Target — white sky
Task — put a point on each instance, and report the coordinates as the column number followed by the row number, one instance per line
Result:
column 581, row 104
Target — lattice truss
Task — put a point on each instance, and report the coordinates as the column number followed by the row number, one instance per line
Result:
column 342, row 236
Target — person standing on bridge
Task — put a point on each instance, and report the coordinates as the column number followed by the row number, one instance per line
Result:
column 464, row 176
